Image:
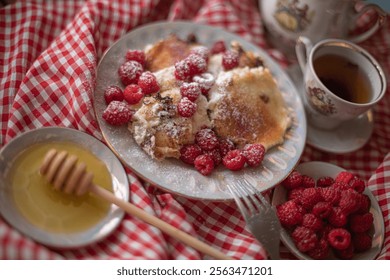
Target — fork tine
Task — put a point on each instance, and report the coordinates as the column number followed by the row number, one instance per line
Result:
column 263, row 200
column 238, row 201
column 247, row 189
column 247, row 198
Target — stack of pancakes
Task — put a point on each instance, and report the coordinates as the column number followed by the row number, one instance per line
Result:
column 244, row 104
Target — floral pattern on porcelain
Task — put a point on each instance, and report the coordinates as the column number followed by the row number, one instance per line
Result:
column 319, row 100
column 292, row 16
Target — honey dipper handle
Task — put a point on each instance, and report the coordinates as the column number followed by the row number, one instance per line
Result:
column 160, row 224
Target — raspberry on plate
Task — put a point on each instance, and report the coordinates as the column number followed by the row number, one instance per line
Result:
column 218, row 47
column 295, row 194
column 289, row 214
column 339, row 238
column 182, row 70
column 361, row 241
column 129, row 72
column 254, row 154
column 202, row 51
column 331, row 195
column 215, row 155
column 337, row 217
column 293, row 180
column 188, row 153
column 148, row 83
column 349, row 201
column 204, row 164
column 190, row 90
column 133, row 94
column 322, row 209
column 325, row 181
column 113, row 93
column 304, row 238
column 310, row 197
column 136, row 55
column 361, row 223
column 321, row 251
column 312, row 222
column 234, row 160
column 357, row 184
column 186, row 108
column 206, row 139
column 117, row 113
column 344, row 176
column 308, row 182
column 226, row 145
column 230, row 60
column 197, row 64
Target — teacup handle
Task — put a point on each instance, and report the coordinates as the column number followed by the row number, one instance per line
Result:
column 303, row 48
column 380, row 21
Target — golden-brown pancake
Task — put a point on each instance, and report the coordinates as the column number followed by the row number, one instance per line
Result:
column 247, row 107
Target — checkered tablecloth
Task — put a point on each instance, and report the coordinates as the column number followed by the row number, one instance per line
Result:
column 49, row 51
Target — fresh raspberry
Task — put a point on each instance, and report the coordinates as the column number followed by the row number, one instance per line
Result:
column 312, row 222
column 215, row 155
column 361, row 223
column 206, row 139
column 202, row 51
column 289, row 214
column 113, row 93
column 321, row 251
column 364, row 204
column 308, row 182
column 190, row 90
column 182, row 70
column 218, row 47
column 295, row 194
column 344, row 176
column 324, row 231
column 337, row 218
column 304, row 238
column 340, row 186
column 254, row 154
column 117, row 113
column 129, row 72
column 331, row 195
column 136, row 55
column 346, row 254
column 188, row 153
column 234, row 160
column 186, row 108
column 205, row 81
column 148, row 82
column 349, row 201
column 325, row 181
column 133, row 94
column 293, row 180
column 339, row 238
column 357, row 184
column 322, row 209
column 204, row 164
column 197, row 64
column 310, row 197
column 226, row 145
column 361, row 242
column 230, row 60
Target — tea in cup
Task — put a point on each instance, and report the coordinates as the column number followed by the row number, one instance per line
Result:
column 341, row 80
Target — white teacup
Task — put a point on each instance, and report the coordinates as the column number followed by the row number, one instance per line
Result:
column 341, row 81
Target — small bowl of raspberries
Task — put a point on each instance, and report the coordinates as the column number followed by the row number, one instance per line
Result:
column 328, row 213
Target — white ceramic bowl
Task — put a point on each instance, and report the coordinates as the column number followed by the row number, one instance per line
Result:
column 10, row 212
column 316, row 169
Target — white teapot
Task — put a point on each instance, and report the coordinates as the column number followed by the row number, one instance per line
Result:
column 286, row 20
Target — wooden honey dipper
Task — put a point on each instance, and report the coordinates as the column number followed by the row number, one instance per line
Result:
column 71, row 177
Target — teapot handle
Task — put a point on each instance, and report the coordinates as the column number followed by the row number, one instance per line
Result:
column 379, row 23
column 303, row 48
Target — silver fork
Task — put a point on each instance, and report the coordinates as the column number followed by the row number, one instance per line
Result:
column 260, row 216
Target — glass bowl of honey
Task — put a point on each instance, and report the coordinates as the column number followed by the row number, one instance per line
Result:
column 32, row 206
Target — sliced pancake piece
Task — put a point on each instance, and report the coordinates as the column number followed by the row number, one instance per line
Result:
column 246, row 106
column 160, row 131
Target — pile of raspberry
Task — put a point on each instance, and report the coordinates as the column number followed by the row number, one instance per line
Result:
column 209, row 151
column 137, row 84
column 328, row 217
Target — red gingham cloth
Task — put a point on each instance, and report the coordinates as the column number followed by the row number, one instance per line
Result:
column 49, row 51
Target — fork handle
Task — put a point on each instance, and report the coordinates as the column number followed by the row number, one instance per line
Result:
column 158, row 223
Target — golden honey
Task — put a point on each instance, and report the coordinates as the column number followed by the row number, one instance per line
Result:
column 53, row 210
